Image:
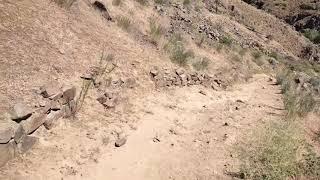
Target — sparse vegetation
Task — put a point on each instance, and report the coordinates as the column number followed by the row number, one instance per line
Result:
column 124, row 23
column 87, row 83
column 257, row 58
column 226, row 40
column 298, row 102
column 64, row 3
column 242, row 51
column 116, row 2
column 200, row 39
column 162, row 2
column 273, row 153
column 201, row 64
column 279, row 149
column 313, row 35
column 143, row 2
column 177, row 51
column 156, row 31
column 256, row 54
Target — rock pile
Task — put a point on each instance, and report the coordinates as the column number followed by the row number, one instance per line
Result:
column 180, row 77
column 16, row 127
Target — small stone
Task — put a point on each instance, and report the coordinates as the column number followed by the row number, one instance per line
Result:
column 111, row 103
column 154, row 71
column 7, row 152
column 20, row 112
column 102, row 99
column 120, row 142
column 180, row 71
column 27, row 143
column 43, row 92
column 202, row 92
column 239, row 101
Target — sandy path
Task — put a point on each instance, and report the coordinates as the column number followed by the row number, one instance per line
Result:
column 183, row 134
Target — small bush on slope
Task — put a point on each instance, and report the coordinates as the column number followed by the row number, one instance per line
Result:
column 201, row 64
column 177, row 51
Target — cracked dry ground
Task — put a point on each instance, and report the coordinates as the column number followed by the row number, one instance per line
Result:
column 174, row 134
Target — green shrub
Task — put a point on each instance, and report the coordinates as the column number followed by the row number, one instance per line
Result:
column 143, row 2
column 162, row 2
column 124, row 23
column 177, row 51
column 226, row 40
column 202, row 64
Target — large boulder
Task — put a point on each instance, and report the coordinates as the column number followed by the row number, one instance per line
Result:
column 7, row 131
column 51, row 118
column 20, row 111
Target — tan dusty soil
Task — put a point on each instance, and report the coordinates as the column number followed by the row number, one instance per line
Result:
column 179, row 134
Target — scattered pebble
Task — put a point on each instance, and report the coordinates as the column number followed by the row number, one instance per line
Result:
column 120, row 142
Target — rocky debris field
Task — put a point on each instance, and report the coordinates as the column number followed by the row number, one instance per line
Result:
column 180, row 77
column 18, row 125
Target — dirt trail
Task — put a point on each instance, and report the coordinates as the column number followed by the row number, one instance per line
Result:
column 181, row 134
column 187, row 135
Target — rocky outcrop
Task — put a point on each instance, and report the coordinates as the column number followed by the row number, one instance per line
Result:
column 16, row 129
column 180, row 77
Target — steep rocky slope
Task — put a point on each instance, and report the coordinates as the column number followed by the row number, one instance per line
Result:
column 299, row 13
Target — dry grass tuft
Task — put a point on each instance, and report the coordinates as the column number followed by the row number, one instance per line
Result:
column 64, row 3
column 156, row 31
column 124, row 23
column 201, row 64
column 272, row 153
column 177, row 51
column 143, row 2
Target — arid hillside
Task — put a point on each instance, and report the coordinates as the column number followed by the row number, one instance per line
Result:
column 301, row 14
column 157, row 89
